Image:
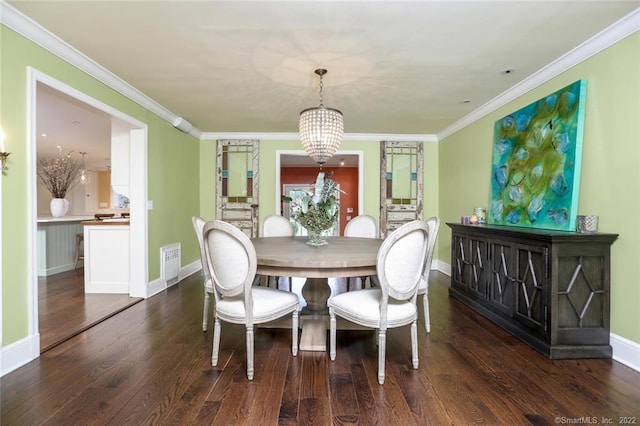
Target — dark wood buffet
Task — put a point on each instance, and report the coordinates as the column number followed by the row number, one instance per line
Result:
column 549, row 288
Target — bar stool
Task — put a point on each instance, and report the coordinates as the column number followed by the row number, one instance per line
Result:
column 79, row 242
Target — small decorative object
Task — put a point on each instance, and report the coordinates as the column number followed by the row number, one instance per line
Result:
column 587, row 224
column 537, row 157
column 59, row 175
column 59, row 207
column 317, row 212
column 473, row 219
column 481, row 214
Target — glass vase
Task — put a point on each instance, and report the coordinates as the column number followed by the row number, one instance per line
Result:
column 316, row 239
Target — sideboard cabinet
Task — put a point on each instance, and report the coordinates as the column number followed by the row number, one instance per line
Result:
column 548, row 288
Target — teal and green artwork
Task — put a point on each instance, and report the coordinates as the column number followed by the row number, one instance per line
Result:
column 537, row 154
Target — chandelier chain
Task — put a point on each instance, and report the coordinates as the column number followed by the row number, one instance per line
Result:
column 321, row 86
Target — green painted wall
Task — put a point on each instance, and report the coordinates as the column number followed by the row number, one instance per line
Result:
column 173, row 173
column 610, row 167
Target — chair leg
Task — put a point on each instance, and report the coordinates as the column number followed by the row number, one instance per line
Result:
column 79, row 241
column 205, row 311
column 332, row 335
column 427, row 320
column 250, row 353
column 414, row 344
column 382, row 344
column 216, row 342
column 294, row 332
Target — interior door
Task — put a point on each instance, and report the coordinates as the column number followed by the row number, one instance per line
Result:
column 401, row 184
column 237, row 188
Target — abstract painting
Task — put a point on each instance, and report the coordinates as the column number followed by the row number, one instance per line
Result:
column 537, row 154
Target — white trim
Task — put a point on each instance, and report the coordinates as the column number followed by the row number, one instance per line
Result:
column 625, row 351
column 605, row 38
column 19, row 353
column 190, row 269
column 156, row 286
column 354, row 137
column 441, row 266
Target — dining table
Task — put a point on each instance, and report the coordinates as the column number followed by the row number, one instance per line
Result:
column 293, row 257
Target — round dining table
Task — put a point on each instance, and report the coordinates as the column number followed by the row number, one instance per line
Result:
column 293, row 257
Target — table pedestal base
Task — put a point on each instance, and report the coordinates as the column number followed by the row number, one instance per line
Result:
column 315, row 316
column 314, row 335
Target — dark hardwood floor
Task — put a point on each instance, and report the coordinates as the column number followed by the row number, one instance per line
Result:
column 151, row 364
column 64, row 310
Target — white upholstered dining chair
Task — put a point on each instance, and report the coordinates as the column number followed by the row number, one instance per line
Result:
column 276, row 226
column 198, row 225
column 232, row 263
column 433, row 225
column 399, row 268
column 363, row 226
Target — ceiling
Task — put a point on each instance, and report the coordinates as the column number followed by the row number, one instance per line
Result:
column 395, row 67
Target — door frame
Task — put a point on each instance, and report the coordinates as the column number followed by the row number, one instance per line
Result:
column 138, row 187
column 302, row 153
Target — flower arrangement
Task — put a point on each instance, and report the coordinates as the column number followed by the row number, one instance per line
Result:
column 317, row 211
column 59, row 174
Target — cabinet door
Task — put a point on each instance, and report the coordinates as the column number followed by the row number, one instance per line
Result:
column 502, row 277
column 531, row 287
column 469, row 272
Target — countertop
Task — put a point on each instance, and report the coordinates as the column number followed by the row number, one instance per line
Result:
column 114, row 221
column 51, row 219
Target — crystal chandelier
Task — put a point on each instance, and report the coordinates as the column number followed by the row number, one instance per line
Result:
column 321, row 129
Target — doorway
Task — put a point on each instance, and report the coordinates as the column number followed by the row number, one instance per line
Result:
column 138, row 189
column 295, row 167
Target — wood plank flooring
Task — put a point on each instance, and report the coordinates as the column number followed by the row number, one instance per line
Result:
column 64, row 310
column 151, row 364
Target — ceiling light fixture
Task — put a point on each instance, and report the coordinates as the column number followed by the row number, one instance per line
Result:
column 84, row 177
column 321, row 129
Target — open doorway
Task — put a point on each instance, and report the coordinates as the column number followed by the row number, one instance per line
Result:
column 294, row 169
column 60, row 116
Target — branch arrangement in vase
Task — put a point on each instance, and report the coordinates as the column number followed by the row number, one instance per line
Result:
column 59, row 174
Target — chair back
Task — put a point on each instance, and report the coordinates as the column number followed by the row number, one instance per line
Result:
column 363, row 226
column 276, row 226
column 433, row 226
column 231, row 258
column 401, row 260
column 198, row 226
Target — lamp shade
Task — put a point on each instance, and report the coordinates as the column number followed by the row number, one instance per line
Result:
column 321, row 130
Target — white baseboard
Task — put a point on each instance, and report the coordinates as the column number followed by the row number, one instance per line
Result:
column 59, row 269
column 19, row 353
column 190, row 269
column 441, row 266
column 625, row 351
column 155, row 287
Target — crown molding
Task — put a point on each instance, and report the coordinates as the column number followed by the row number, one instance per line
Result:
column 604, row 39
column 356, row 137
